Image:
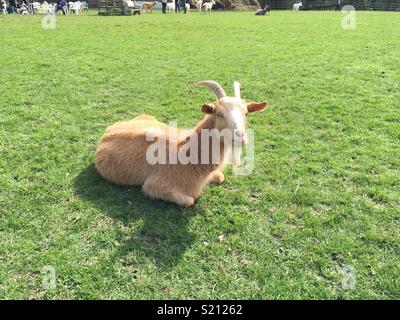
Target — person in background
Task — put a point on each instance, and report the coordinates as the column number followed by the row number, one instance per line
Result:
column 177, row 7
column 182, row 4
column 18, row 5
column 61, row 4
column 13, row 6
column 338, row 3
column 164, row 5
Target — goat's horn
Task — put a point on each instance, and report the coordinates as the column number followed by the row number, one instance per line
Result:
column 214, row 86
column 236, row 89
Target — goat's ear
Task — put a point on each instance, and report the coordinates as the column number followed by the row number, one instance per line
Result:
column 208, row 108
column 256, row 106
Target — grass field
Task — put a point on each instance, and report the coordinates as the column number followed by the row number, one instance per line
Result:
column 324, row 196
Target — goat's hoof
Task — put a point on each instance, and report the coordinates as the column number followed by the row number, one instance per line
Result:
column 186, row 201
column 218, row 178
column 182, row 200
column 189, row 202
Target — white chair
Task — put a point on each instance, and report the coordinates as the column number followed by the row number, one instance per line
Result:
column 23, row 10
column 51, row 8
column 3, row 7
column 44, row 8
column 36, row 7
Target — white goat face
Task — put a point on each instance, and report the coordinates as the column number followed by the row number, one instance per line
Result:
column 230, row 112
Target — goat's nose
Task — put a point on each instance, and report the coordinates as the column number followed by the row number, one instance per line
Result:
column 239, row 133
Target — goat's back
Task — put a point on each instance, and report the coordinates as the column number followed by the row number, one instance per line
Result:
column 121, row 154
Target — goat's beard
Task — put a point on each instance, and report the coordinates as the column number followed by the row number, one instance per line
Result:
column 233, row 154
column 236, row 155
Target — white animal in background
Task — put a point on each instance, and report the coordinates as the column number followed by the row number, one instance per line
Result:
column 171, row 6
column 297, row 6
column 199, row 4
column 148, row 6
column 187, row 5
column 76, row 7
column 85, row 6
column 208, row 6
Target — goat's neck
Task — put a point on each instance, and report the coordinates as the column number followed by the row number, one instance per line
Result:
column 208, row 123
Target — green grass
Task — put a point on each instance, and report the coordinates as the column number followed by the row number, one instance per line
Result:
column 325, row 191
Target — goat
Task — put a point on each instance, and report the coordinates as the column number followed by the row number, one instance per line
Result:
column 76, row 7
column 85, row 6
column 122, row 154
column 148, row 6
column 199, row 5
column 208, row 6
column 187, row 5
column 297, row 6
column 171, row 6
column 263, row 12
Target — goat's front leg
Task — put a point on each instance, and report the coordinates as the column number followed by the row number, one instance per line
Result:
column 156, row 190
column 216, row 177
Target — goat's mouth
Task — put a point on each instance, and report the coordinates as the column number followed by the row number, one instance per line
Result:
column 240, row 141
column 239, row 137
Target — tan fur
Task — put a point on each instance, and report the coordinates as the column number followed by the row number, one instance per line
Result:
column 121, row 159
column 148, row 6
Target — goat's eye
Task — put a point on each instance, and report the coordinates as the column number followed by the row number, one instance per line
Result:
column 219, row 114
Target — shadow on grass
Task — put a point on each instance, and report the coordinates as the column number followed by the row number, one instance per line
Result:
column 163, row 236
